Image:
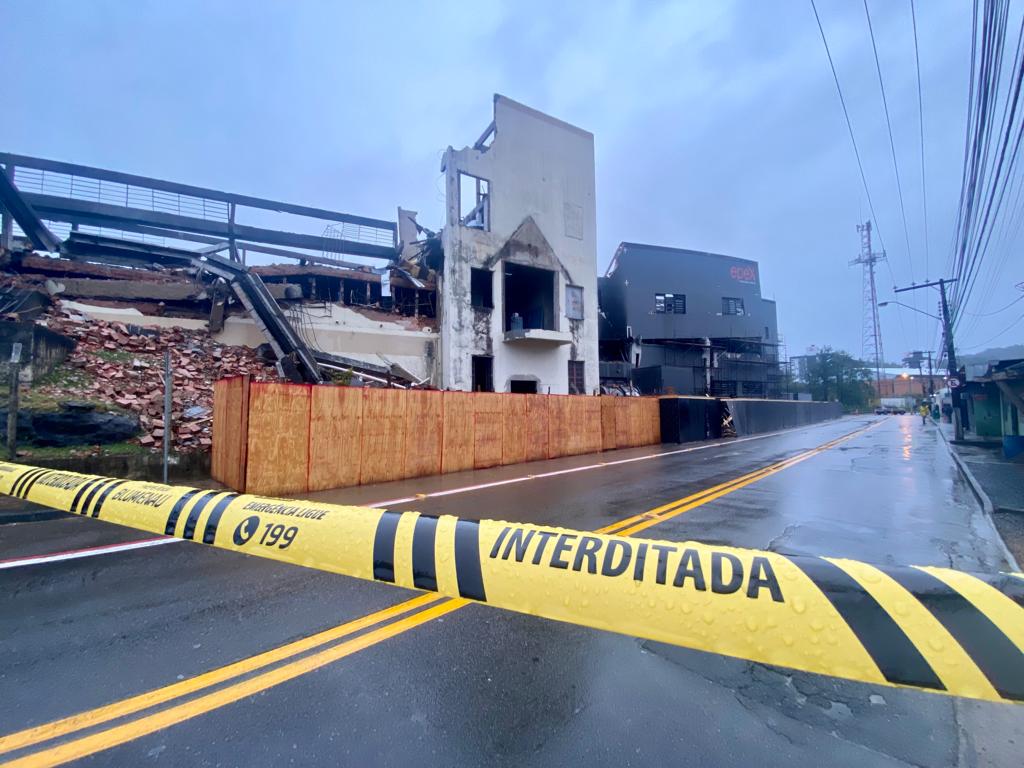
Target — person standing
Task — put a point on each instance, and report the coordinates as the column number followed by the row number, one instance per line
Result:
column 923, row 410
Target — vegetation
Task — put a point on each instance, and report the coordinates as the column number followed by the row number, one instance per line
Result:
column 72, row 451
column 45, row 394
column 836, row 375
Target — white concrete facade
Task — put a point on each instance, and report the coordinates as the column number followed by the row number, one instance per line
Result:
column 337, row 330
column 539, row 212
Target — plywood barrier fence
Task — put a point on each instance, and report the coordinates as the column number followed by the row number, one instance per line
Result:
column 295, row 438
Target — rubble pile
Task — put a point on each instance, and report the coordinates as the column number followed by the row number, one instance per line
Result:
column 125, row 364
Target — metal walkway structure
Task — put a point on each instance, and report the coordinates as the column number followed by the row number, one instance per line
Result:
column 35, row 192
column 296, row 360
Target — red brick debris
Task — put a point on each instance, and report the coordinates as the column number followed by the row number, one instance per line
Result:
column 135, row 383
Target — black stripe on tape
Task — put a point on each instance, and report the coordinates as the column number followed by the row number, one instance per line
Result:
column 81, row 492
column 210, row 533
column 195, row 512
column 103, row 497
column 179, row 505
column 21, row 478
column 424, row 567
column 384, row 547
column 1012, row 586
column 30, row 483
column 92, row 494
column 887, row 644
column 994, row 653
column 467, row 560
column 20, row 483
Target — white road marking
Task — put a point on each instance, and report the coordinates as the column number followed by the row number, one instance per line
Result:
column 109, row 549
column 76, row 554
column 599, row 465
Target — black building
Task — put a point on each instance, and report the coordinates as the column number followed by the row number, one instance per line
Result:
column 687, row 322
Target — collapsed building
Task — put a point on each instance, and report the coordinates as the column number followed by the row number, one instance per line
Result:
column 519, row 284
column 503, row 298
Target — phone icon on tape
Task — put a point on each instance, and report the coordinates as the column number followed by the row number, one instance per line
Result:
column 246, row 530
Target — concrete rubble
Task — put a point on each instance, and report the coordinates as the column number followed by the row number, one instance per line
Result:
column 125, row 366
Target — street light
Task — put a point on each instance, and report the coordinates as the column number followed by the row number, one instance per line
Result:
column 915, row 309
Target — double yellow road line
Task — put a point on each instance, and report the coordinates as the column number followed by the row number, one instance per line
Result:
column 301, row 657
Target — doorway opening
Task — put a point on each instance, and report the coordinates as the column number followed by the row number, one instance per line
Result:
column 523, row 386
column 483, row 373
column 529, row 297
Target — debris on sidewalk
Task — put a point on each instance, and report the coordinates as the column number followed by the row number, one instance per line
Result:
column 125, row 366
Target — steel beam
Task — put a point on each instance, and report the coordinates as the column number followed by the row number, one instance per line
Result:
column 114, row 216
column 187, row 189
column 28, row 219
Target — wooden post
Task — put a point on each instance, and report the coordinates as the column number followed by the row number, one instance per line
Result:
column 168, row 380
column 12, row 401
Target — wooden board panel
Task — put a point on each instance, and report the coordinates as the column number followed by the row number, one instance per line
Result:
column 575, row 418
column 537, row 427
column 457, row 439
column 591, row 426
column 423, row 430
column 636, row 427
column 278, row 444
column 608, row 438
column 622, row 422
column 335, row 436
column 487, row 428
column 383, row 436
column 224, row 428
column 515, row 429
column 558, row 426
column 243, row 432
column 653, row 408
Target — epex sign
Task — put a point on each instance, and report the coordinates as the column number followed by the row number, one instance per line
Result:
column 743, row 274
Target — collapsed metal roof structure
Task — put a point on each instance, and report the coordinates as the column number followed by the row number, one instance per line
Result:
column 156, row 220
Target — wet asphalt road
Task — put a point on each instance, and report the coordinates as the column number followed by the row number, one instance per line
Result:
column 479, row 686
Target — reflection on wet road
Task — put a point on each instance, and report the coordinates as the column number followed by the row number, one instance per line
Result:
column 362, row 676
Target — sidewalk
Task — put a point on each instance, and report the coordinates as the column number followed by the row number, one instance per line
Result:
column 995, row 479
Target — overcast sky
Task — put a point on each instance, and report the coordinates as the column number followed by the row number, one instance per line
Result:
column 717, row 124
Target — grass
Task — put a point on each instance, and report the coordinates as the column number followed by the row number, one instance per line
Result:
column 114, row 355
column 45, row 394
column 72, row 451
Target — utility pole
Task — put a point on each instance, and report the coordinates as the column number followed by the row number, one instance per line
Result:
column 871, row 342
column 947, row 333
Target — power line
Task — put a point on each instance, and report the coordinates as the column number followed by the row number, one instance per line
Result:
column 1000, row 181
column 1010, row 327
column 920, row 114
column 895, row 164
column 998, row 311
column 849, row 125
column 988, row 181
column 856, row 152
column 892, row 143
column 978, row 140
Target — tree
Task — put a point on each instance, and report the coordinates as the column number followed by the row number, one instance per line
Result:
column 836, row 375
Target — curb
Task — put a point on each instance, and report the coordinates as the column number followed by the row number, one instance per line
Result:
column 986, row 503
column 31, row 516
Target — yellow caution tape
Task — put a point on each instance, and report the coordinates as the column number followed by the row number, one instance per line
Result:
column 930, row 628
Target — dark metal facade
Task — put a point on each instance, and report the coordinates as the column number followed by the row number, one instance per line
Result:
column 674, row 316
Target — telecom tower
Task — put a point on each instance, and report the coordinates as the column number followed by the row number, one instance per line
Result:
column 871, row 342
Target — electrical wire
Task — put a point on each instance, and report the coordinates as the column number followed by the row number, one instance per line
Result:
column 1010, row 327
column 920, row 115
column 856, row 152
column 998, row 311
column 849, row 124
column 978, row 190
column 999, row 182
column 985, row 231
column 892, row 143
